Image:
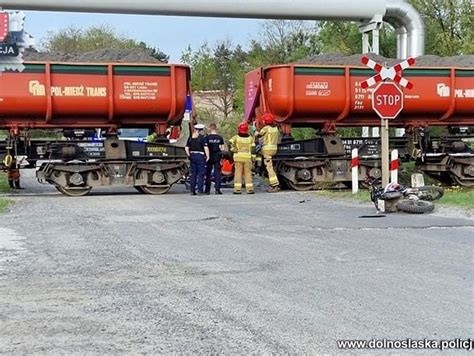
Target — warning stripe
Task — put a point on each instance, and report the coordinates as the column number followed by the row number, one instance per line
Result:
column 355, row 162
column 371, row 81
column 372, row 64
column 402, row 81
column 397, row 69
column 404, row 65
column 394, row 165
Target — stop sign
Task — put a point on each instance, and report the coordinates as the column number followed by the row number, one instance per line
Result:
column 387, row 100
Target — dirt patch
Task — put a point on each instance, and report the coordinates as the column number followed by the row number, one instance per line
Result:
column 421, row 61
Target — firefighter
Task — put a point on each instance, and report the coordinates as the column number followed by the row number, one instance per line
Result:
column 198, row 153
column 13, row 172
column 270, row 136
column 242, row 145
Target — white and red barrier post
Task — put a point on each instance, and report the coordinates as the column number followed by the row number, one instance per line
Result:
column 355, row 170
column 394, row 165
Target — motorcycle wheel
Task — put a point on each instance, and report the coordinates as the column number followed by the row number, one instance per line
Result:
column 415, row 206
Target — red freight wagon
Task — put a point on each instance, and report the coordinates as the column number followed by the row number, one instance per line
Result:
column 96, row 96
column 109, row 96
column 329, row 97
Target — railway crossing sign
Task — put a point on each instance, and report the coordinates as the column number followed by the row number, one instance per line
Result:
column 384, row 73
column 387, row 100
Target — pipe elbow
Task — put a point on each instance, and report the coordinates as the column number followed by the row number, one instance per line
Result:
column 404, row 17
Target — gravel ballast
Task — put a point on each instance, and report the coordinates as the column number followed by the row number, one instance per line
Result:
column 421, row 61
column 101, row 55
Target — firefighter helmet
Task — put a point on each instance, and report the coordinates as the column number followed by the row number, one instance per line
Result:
column 243, row 128
column 268, row 118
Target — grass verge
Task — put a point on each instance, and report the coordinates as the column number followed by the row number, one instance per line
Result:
column 3, row 204
column 4, row 188
column 453, row 196
column 458, row 196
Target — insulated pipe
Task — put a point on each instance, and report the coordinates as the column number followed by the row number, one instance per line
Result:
column 402, row 35
column 272, row 9
column 402, row 14
column 402, row 39
column 398, row 11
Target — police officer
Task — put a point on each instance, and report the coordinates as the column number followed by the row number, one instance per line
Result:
column 270, row 135
column 242, row 145
column 216, row 146
column 198, row 153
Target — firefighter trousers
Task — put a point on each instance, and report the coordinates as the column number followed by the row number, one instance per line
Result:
column 272, row 177
column 243, row 169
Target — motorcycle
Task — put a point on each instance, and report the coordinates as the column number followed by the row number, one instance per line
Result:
column 397, row 197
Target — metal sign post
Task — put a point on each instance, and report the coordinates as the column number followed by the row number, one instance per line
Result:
column 387, row 101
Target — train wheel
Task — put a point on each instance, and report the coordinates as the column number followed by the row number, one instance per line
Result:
column 74, row 192
column 155, row 190
column 463, row 182
column 300, row 187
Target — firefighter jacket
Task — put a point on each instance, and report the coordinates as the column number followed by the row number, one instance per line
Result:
column 242, row 148
column 270, row 135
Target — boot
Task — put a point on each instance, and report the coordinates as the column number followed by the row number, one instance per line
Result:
column 10, row 183
column 218, row 192
column 17, row 185
column 273, row 189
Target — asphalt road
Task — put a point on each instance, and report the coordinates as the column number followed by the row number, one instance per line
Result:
column 285, row 273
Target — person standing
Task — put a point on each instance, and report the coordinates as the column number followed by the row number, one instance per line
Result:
column 215, row 143
column 13, row 172
column 198, row 153
column 270, row 135
column 242, row 145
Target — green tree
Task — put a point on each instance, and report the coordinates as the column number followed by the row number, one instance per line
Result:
column 449, row 30
column 449, row 26
column 284, row 41
column 220, row 69
column 77, row 40
column 345, row 38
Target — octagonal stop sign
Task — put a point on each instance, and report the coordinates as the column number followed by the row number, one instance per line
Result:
column 387, row 100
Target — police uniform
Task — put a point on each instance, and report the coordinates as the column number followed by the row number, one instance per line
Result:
column 242, row 146
column 214, row 142
column 197, row 158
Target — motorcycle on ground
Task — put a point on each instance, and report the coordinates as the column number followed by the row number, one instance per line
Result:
column 397, row 197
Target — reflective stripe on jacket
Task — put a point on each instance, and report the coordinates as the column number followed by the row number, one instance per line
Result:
column 242, row 148
column 270, row 137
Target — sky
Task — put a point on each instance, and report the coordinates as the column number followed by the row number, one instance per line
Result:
column 171, row 34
